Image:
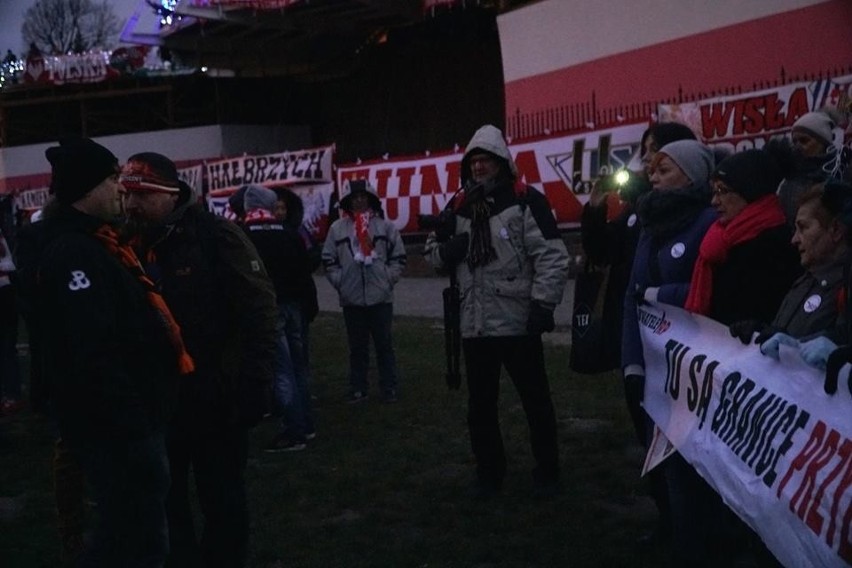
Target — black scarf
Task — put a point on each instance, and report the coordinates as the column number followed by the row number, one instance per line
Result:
column 665, row 213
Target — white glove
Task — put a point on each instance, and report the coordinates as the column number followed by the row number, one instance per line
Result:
column 816, row 351
column 770, row 346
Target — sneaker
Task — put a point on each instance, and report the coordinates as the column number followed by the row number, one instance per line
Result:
column 356, row 397
column 284, row 443
column 389, row 396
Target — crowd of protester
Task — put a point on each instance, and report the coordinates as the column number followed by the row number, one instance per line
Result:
column 756, row 240
column 160, row 334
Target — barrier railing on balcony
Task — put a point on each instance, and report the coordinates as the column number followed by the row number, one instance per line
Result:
column 587, row 116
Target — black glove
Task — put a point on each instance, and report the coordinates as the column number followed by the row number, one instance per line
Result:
column 454, row 250
column 253, row 404
column 765, row 333
column 634, row 389
column 745, row 329
column 836, row 360
column 446, row 226
column 639, row 295
column 540, row 320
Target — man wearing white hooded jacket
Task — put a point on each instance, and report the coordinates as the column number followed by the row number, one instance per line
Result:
column 512, row 267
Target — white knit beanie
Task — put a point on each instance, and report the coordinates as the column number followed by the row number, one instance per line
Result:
column 817, row 124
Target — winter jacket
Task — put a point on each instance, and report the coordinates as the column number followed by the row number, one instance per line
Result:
column 813, row 306
column 284, row 256
column 666, row 265
column 111, row 366
column 611, row 243
column 221, row 296
column 530, row 259
column 295, row 219
column 359, row 282
column 754, row 278
column 531, row 264
column 810, row 172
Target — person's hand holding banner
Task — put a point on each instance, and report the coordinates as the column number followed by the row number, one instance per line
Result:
column 744, row 330
column 771, row 346
column 816, row 351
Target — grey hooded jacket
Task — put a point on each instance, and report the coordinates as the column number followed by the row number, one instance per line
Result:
column 360, row 282
column 531, row 261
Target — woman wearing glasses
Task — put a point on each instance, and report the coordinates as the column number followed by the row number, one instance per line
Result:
column 746, row 263
column 744, row 269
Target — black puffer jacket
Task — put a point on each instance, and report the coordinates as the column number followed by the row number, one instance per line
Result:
column 111, row 367
column 284, row 256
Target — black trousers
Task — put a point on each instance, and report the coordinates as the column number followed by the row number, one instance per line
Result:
column 218, row 462
column 523, row 358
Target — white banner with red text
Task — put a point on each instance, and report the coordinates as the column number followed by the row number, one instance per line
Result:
column 762, row 432
column 311, row 166
column 561, row 167
column 749, row 120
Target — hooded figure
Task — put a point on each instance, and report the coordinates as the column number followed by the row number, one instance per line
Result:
column 364, row 257
column 511, row 266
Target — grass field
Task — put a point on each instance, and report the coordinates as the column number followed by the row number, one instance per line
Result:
column 386, row 485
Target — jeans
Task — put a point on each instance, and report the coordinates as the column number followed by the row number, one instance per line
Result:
column 361, row 323
column 290, row 383
column 129, row 481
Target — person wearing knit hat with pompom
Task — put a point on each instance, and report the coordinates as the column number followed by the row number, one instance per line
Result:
column 115, row 356
column 364, row 257
column 213, row 277
column 814, row 154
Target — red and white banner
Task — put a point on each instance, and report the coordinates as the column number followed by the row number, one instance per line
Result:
column 307, row 173
column 313, row 166
column 749, row 120
column 762, row 432
column 31, row 199
column 253, row 4
column 561, row 167
column 192, row 177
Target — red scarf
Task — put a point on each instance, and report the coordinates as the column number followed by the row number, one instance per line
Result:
column 260, row 215
column 125, row 255
column 362, row 232
column 765, row 213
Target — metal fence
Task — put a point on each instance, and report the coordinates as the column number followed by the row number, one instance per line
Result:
column 587, row 116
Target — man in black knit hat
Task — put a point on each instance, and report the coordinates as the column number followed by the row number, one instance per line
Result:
column 114, row 357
